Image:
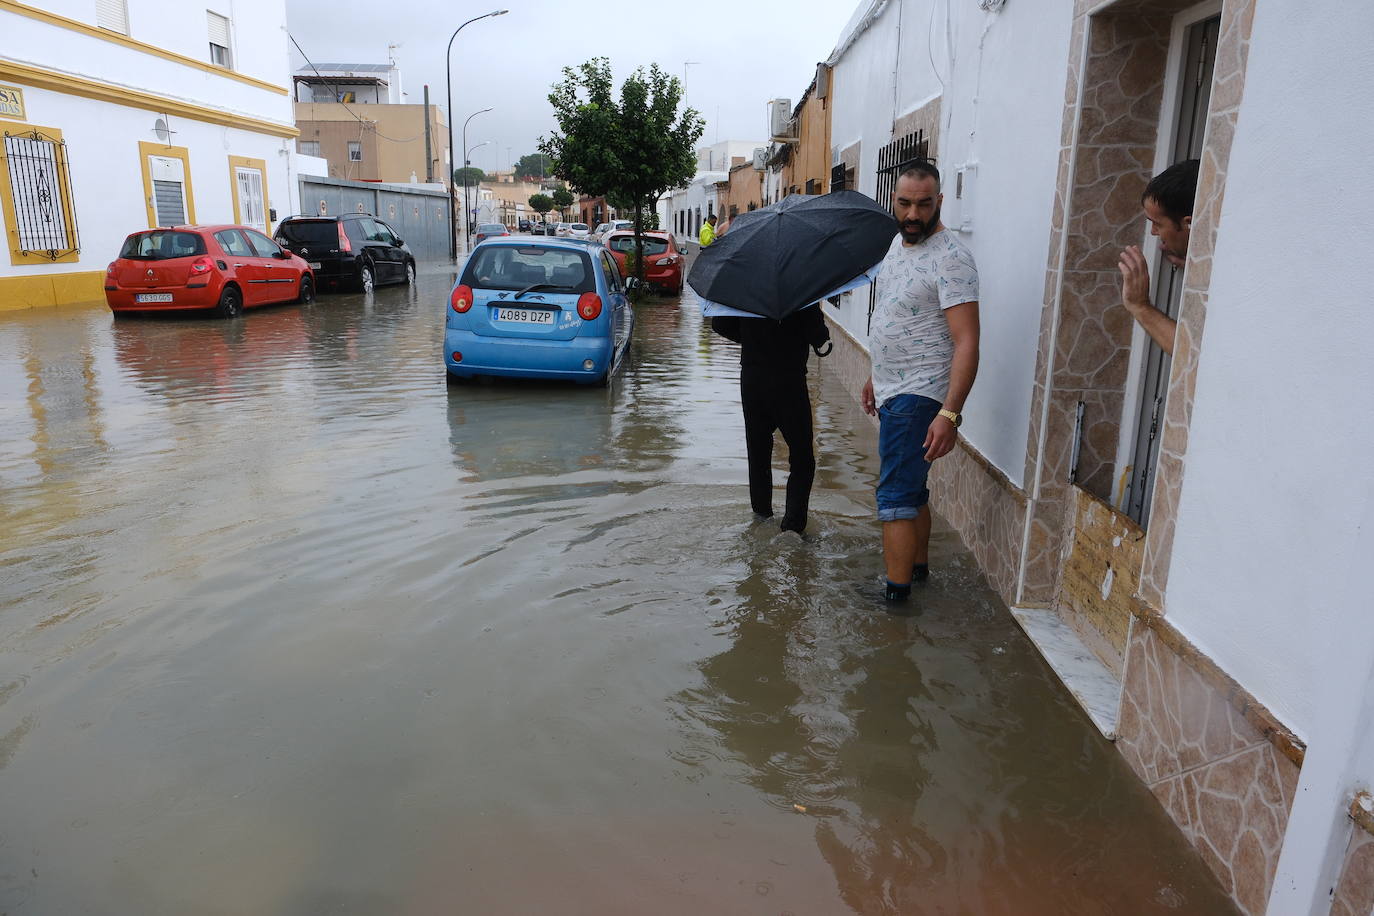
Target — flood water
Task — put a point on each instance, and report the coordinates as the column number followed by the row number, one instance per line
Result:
column 289, row 626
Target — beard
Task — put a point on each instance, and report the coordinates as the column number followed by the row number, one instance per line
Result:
column 914, row 230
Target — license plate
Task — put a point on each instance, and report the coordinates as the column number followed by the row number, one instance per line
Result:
column 525, row 316
column 314, row 265
column 153, row 297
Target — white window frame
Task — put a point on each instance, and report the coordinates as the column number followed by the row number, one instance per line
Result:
column 355, row 146
column 250, row 185
column 314, row 149
column 221, row 35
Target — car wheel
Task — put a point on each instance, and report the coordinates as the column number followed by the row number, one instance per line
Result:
column 307, row 295
column 230, row 303
column 410, row 273
column 366, row 279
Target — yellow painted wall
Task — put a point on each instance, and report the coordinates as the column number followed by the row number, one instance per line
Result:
column 41, row 290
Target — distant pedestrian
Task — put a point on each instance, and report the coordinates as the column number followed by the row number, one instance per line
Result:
column 708, row 231
column 772, row 387
column 924, row 347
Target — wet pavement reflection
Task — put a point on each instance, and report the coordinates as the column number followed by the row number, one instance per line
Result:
column 290, row 626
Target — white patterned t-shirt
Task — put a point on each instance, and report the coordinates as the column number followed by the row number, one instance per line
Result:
column 909, row 339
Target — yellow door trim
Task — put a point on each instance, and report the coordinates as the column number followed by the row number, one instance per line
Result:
column 18, row 255
column 44, row 290
column 236, row 162
column 40, row 78
column 22, row 9
column 146, row 149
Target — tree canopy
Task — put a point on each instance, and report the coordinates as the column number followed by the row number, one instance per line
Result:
column 562, row 199
column 473, row 174
column 533, row 165
column 633, row 147
column 541, row 203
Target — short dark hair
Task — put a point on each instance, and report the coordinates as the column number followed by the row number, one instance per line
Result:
column 1174, row 189
column 921, row 168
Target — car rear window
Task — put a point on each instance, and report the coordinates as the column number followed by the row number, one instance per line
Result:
column 491, row 227
column 627, row 243
column 516, row 267
column 310, row 232
column 581, row 226
column 162, row 245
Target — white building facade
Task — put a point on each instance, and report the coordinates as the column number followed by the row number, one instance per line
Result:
column 128, row 114
column 1197, row 524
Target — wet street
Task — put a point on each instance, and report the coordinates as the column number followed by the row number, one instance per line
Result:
column 290, row 626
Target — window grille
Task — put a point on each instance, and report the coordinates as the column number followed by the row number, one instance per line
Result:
column 893, row 159
column 355, row 151
column 40, row 185
column 308, row 147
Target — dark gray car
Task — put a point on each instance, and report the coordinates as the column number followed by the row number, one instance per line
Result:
column 349, row 252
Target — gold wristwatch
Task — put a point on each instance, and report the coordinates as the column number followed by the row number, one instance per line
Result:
column 956, row 418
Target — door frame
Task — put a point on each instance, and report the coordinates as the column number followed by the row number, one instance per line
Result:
column 1134, row 390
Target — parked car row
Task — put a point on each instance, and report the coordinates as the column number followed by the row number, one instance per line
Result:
column 230, row 268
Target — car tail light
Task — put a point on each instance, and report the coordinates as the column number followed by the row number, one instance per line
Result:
column 109, row 271
column 202, row 266
column 589, row 306
column 457, row 356
column 461, row 298
column 344, row 244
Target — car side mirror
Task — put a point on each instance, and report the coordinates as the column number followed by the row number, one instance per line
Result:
column 398, row 242
column 281, row 254
column 632, row 284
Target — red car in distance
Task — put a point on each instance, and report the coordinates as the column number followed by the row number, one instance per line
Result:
column 225, row 268
column 665, row 263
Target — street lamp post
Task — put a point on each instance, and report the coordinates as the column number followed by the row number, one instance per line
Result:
column 467, row 152
column 448, row 78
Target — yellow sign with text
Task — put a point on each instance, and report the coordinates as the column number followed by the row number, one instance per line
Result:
column 12, row 103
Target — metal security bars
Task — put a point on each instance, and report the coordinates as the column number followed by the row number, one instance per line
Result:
column 893, row 159
column 40, row 186
column 897, row 156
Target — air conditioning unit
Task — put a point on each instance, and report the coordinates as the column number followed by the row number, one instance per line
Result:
column 780, row 124
column 760, row 158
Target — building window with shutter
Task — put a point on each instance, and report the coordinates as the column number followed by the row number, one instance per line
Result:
column 112, row 15
column 308, row 147
column 36, row 196
column 355, row 151
column 219, row 40
column 167, row 185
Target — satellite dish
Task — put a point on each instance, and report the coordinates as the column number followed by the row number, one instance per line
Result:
column 163, row 132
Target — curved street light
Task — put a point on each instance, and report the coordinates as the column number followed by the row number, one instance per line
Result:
column 467, row 208
column 448, row 78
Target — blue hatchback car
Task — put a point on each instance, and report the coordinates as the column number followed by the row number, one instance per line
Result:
column 545, row 308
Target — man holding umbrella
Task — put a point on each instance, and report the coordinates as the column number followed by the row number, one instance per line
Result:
column 923, row 342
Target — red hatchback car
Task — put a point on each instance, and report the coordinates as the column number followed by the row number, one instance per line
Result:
column 225, row 268
column 664, row 262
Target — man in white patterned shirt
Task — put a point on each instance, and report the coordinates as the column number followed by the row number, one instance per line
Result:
column 923, row 342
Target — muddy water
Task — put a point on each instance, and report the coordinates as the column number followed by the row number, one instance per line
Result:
column 287, row 626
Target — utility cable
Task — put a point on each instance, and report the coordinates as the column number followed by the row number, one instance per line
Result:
column 361, row 120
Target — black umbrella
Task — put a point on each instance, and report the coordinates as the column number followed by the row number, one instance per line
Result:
column 782, row 257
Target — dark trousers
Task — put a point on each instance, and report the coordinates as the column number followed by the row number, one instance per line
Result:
column 784, row 405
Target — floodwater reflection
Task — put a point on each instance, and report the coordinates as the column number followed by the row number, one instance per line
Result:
column 288, row 625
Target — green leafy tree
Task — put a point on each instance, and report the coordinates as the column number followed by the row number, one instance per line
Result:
column 541, row 204
column 471, row 173
column 634, row 148
column 562, row 199
column 533, row 165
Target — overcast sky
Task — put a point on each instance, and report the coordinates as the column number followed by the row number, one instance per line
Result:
column 748, row 51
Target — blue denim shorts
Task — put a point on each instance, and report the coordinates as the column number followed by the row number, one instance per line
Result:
column 903, row 422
